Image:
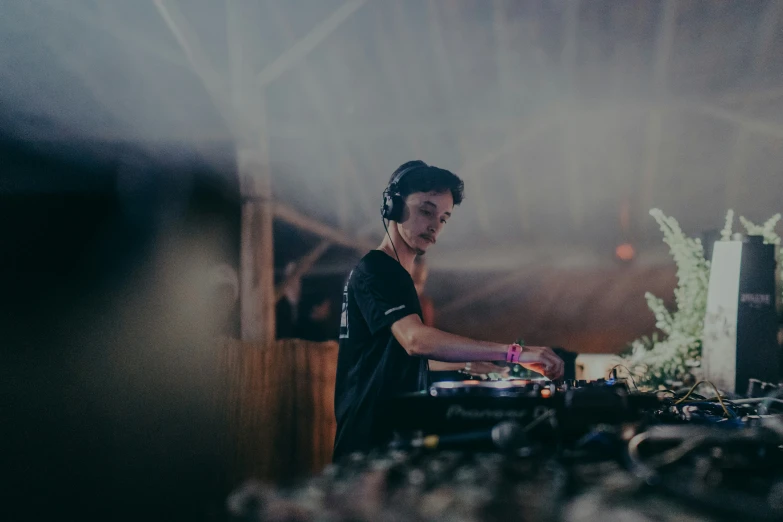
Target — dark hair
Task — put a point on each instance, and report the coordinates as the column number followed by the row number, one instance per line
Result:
column 428, row 178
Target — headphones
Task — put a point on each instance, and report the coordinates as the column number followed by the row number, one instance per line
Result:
column 393, row 202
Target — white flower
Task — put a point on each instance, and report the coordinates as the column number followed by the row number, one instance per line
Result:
column 725, row 234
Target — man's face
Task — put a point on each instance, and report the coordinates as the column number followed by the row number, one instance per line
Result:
column 423, row 218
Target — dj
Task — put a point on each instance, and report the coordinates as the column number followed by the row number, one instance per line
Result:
column 384, row 346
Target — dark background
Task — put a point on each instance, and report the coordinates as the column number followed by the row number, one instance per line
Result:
column 111, row 386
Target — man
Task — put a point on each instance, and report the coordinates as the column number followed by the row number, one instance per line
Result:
column 316, row 324
column 384, row 346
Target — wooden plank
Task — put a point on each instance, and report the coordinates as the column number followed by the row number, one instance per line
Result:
column 311, row 41
column 266, row 271
column 302, row 267
column 279, row 401
column 190, row 45
column 293, row 217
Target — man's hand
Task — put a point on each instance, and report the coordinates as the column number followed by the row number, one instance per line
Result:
column 541, row 359
column 483, row 369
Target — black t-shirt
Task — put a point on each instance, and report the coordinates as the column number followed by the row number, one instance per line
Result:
column 371, row 365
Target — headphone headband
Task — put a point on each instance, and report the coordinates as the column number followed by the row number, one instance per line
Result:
column 396, row 181
column 392, row 199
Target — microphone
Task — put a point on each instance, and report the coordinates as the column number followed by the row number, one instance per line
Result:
column 505, row 436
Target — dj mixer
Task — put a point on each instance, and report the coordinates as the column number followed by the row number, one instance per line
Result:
column 553, row 411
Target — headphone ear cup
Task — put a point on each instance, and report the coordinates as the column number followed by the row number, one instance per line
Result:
column 392, row 200
column 395, row 210
column 392, row 205
column 386, row 207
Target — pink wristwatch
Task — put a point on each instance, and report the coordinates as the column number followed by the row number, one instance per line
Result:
column 514, row 352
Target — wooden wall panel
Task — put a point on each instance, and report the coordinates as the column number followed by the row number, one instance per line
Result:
column 279, row 405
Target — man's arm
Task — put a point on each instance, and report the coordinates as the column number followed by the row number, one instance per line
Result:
column 421, row 340
column 475, row 368
column 425, row 341
column 441, row 366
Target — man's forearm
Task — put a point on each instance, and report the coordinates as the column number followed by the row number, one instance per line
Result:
column 440, row 366
column 438, row 345
column 424, row 341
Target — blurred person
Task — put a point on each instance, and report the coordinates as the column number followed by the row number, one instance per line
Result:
column 317, row 325
column 384, row 344
column 287, row 308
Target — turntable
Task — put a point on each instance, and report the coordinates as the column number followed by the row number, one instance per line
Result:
column 506, row 388
column 460, row 406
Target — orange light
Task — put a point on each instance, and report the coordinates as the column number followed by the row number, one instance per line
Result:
column 546, row 392
column 625, row 252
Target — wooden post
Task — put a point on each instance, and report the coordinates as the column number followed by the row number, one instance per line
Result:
column 257, row 249
column 257, row 270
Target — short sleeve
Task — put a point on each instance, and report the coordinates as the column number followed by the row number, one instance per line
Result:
column 384, row 300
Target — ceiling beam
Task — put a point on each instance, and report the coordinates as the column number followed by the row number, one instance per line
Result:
column 119, row 32
column 539, row 124
column 308, row 43
column 189, row 43
column 302, row 267
column 507, row 259
column 285, row 213
column 347, row 167
column 487, row 290
column 750, row 123
column 560, row 255
column 105, row 98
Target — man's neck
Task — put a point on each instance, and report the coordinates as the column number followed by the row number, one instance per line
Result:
column 403, row 253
